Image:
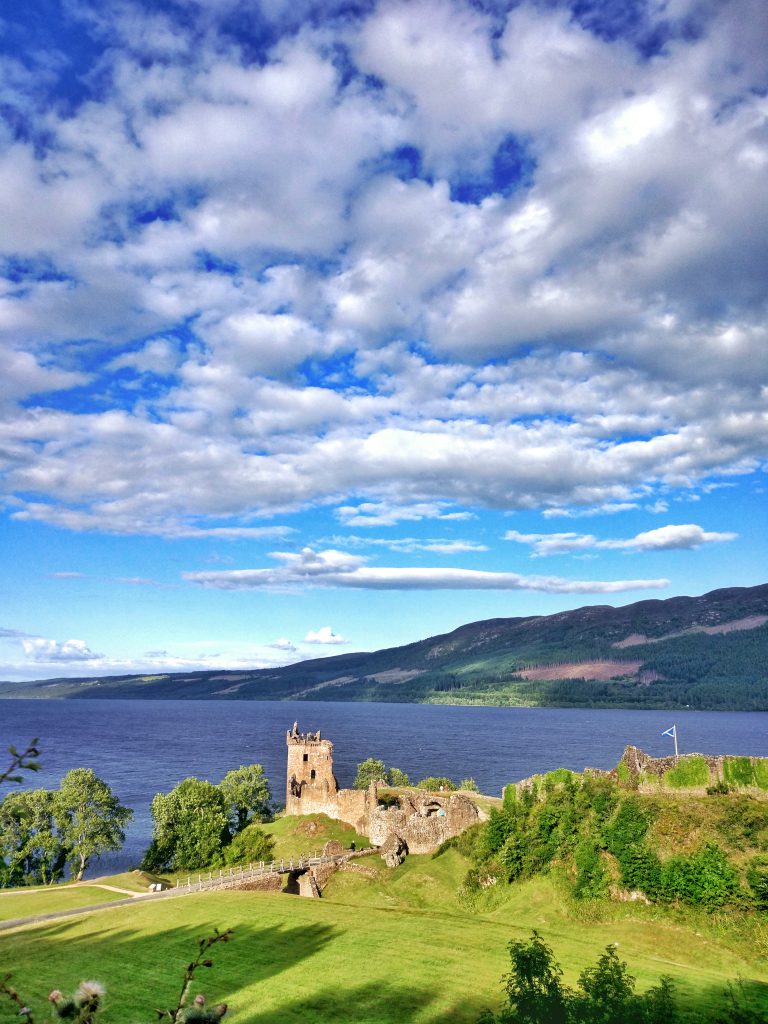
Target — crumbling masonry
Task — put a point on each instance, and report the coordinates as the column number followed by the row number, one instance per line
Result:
column 417, row 823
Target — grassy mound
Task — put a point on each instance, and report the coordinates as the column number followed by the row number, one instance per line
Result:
column 300, row 836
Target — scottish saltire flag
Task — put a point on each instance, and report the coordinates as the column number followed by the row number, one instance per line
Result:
column 671, row 732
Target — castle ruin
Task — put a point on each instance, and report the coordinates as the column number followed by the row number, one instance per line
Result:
column 417, row 822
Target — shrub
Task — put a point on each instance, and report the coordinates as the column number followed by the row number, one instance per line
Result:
column 757, row 879
column 509, row 796
column 591, row 881
column 706, row 879
column 251, row 845
column 719, row 788
column 469, row 785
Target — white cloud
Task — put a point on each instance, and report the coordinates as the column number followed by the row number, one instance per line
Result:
column 326, row 324
column 283, row 644
column 324, row 635
column 686, row 537
column 54, row 651
column 336, row 569
column 372, row 513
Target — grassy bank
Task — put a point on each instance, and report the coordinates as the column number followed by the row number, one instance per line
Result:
column 381, row 947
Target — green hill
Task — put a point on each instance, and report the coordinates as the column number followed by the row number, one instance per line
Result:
column 707, row 652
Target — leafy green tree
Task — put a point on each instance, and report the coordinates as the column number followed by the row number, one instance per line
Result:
column 396, row 777
column 191, row 827
column 535, row 991
column 435, row 783
column 31, row 851
column 608, row 993
column 249, row 846
column 469, row 785
column 89, row 817
column 247, row 796
column 369, row 771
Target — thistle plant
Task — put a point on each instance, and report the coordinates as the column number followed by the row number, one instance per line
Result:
column 85, row 1004
column 197, row 1012
column 82, row 1007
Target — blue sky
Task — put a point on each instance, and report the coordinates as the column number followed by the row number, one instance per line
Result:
column 332, row 326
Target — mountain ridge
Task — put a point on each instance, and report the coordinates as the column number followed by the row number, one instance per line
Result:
column 708, row 651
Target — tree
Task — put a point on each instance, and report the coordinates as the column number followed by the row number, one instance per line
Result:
column 246, row 795
column 31, row 851
column 396, row 777
column 469, row 785
column 191, row 827
column 534, row 986
column 436, row 783
column 369, row 771
column 251, row 845
column 89, row 817
column 608, row 992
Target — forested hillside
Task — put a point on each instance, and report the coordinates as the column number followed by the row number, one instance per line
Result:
column 707, row 652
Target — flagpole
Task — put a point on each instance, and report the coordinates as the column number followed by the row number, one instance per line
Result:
column 674, row 733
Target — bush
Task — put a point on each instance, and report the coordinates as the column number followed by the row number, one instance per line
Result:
column 706, row 879
column 251, row 845
column 469, row 785
column 606, row 995
column 757, row 879
column 719, row 788
column 591, row 881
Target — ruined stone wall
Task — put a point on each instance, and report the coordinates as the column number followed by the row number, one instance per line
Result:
column 354, row 806
column 638, row 770
column 422, row 821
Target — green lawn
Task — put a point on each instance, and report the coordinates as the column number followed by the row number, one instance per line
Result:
column 381, row 947
column 57, row 897
column 300, row 836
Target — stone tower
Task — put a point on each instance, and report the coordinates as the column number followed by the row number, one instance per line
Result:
column 311, row 786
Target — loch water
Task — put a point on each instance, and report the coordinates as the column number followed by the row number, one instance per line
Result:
column 144, row 747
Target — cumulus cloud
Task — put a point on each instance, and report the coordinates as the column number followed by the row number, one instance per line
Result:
column 524, row 270
column 685, row 537
column 54, row 651
column 324, row 635
column 336, row 569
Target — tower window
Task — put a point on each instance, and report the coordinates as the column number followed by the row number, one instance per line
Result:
column 306, row 757
column 312, row 774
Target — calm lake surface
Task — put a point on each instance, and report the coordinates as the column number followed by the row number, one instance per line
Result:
column 144, row 747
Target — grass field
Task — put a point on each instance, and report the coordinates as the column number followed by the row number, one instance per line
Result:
column 381, row 947
column 58, row 897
